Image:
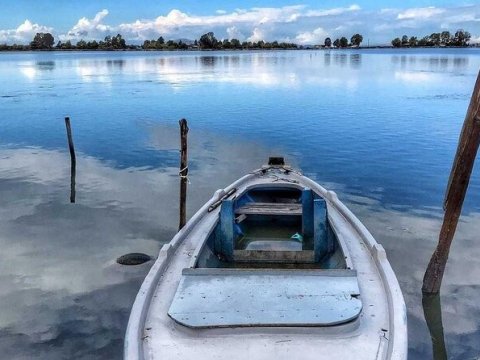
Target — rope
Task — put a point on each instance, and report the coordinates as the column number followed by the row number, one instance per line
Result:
column 180, row 173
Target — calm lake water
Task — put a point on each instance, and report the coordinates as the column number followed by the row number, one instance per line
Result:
column 379, row 127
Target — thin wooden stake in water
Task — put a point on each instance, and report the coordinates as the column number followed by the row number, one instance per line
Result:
column 73, row 160
column 457, row 187
column 183, row 172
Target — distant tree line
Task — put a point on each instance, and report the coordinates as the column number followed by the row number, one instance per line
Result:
column 208, row 41
column 109, row 43
column 445, row 38
column 46, row 41
column 342, row 42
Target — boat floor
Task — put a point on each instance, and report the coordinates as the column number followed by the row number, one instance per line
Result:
column 364, row 338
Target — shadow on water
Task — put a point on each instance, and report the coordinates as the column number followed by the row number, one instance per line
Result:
column 432, row 310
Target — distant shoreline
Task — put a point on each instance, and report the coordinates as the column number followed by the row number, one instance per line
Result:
column 239, row 50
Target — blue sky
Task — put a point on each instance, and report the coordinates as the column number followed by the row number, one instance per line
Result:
column 299, row 21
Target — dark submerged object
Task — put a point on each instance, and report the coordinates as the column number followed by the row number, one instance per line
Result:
column 133, row 259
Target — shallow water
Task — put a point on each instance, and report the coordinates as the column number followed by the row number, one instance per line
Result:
column 378, row 127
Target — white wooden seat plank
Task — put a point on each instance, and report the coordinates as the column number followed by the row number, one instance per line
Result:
column 208, row 298
column 270, row 209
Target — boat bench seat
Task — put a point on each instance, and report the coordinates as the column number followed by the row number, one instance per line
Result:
column 211, row 297
column 269, row 209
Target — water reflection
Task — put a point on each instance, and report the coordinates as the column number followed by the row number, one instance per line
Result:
column 340, row 59
column 208, row 61
column 433, row 316
column 432, row 62
column 45, row 65
column 117, row 65
column 382, row 137
column 327, row 58
column 355, row 61
column 135, row 210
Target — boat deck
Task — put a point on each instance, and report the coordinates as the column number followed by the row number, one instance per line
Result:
column 271, row 297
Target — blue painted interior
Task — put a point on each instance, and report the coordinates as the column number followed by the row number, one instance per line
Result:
column 307, row 212
column 320, row 235
column 311, row 232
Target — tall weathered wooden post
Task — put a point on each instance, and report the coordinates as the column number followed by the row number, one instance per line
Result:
column 183, row 172
column 457, row 187
column 73, row 160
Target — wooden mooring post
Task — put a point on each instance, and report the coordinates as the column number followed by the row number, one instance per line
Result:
column 457, row 187
column 73, row 160
column 183, row 172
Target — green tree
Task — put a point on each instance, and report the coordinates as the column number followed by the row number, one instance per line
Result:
column 425, row 41
column 343, row 42
column 235, row 43
column 42, row 41
column 396, row 42
column 208, row 41
column 412, row 42
column 67, row 45
column 226, row 44
column 161, row 40
column 461, row 38
column 356, row 40
column 107, row 43
column 336, row 43
column 82, row 44
column 328, row 42
column 92, row 45
column 404, row 40
column 119, row 42
column 435, row 39
column 445, row 37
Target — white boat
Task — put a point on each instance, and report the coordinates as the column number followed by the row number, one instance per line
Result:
column 274, row 266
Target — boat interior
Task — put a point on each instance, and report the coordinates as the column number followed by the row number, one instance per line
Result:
column 271, row 227
column 272, row 259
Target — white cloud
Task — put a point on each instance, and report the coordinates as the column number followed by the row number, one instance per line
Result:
column 257, row 35
column 475, row 40
column 316, row 36
column 301, row 23
column 332, row 12
column 234, row 33
column 88, row 28
column 420, row 13
column 23, row 33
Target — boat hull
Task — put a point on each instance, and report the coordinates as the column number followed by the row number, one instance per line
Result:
column 380, row 332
